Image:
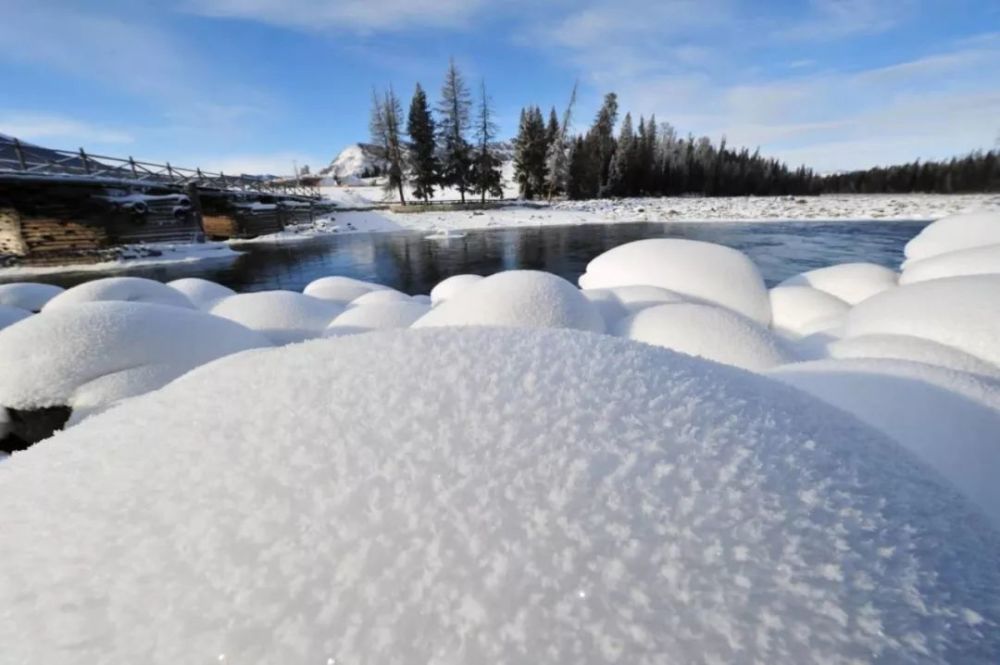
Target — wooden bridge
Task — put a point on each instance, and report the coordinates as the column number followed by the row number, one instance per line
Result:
column 59, row 206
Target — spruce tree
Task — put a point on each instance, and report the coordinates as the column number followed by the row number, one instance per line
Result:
column 530, row 153
column 486, row 176
column 421, row 154
column 622, row 164
column 455, row 109
column 557, row 157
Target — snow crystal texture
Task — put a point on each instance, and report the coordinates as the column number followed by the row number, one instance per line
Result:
column 479, row 496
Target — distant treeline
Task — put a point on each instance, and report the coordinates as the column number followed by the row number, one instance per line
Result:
column 615, row 160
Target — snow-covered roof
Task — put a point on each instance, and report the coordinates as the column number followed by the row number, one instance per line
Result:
column 480, row 495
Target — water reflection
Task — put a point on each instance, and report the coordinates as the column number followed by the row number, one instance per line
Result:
column 409, row 262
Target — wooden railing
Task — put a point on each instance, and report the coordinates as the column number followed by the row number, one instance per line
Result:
column 44, row 162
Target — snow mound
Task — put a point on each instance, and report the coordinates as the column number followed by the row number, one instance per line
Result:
column 520, row 298
column 851, row 282
column 962, row 312
column 707, row 331
column 797, row 310
column 378, row 316
column 976, row 261
column 284, row 317
column 339, row 289
column 954, row 233
column 380, row 296
column 94, row 354
column 904, row 347
column 421, row 298
column 28, row 295
column 949, row 419
column 11, row 315
column 701, row 270
column 201, row 292
column 616, row 303
column 120, row 289
column 450, row 287
column 554, row 493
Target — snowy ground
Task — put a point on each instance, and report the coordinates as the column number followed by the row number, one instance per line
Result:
column 606, row 211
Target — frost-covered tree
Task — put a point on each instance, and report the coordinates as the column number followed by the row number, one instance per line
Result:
column 421, row 157
column 455, row 109
column 620, row 174
column 557, row 155
column 603, row 139
column 385, row 127
column 486, row 175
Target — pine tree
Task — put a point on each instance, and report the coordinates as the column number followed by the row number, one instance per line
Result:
column 486, row 176
column 455, row 109
column 421, row 154
column 385, row 126
column 620, row 172
column 552, row 129
column 529, row 153
column 603, row 139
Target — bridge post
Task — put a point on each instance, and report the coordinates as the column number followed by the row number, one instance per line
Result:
column 20, row 155
column 86, row 165
column 192, row 193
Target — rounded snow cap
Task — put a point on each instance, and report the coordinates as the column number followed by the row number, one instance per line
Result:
column 701, row 270
column 284, row 317
column 485, row 495
column 120, row 289
column 954, row 233
column 518, row 298
column 28, row 295
column 202, row 292
column 851, row 282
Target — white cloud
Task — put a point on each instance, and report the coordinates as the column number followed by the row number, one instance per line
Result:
column 276, row 163
column 836, row 19
column 62, row 131
column 353, row 15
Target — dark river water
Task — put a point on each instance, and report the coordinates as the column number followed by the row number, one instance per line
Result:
column 411, row 263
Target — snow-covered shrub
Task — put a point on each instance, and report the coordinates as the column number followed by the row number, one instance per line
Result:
column 954, row 233
column 94, row 354
column 202, row 292
column 950, row 419
column 699, row 270
column 962, row 312
column 480, row 495
column 707, row 331
column 448, row 288
column 797, row 310
column 28, row 295
column 284, row 317
column 377, row 316
column 851, row 282
column 520, row 298
column 120, row 289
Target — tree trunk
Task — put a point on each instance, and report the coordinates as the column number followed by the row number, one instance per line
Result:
column 402, row 199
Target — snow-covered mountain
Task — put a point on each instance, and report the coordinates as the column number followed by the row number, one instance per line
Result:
column 354, row 163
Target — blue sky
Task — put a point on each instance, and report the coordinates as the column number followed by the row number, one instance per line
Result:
column 251, row 85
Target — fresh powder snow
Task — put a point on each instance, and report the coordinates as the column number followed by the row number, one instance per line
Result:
column 120, row 289
column 850, row 282
column 202, row 292
column 28, row 295
column 284, row 317
column 486, row 495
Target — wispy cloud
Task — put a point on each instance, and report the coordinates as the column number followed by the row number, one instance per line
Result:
column 351, row 15
column 837, row 19
column 70, row 132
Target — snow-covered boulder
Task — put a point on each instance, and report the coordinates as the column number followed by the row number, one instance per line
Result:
column 851, row 282
column 422, row 298
column 698, row 270
column 962, row 312
column 797, row 310
column 976, row 261
column 707, row 331
column 954, row 233
column 949, row 419
column 473, row 496
column 378, row 316
column 202, row 292
column 905, row 347
column 448, row 288
column 94, row 354
column 520, row 298
column 380, row 296
column 11, row 315
column 284, row 317
column 28, row 295
column 616, row 303
column 339, row 289
column 120, row 289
